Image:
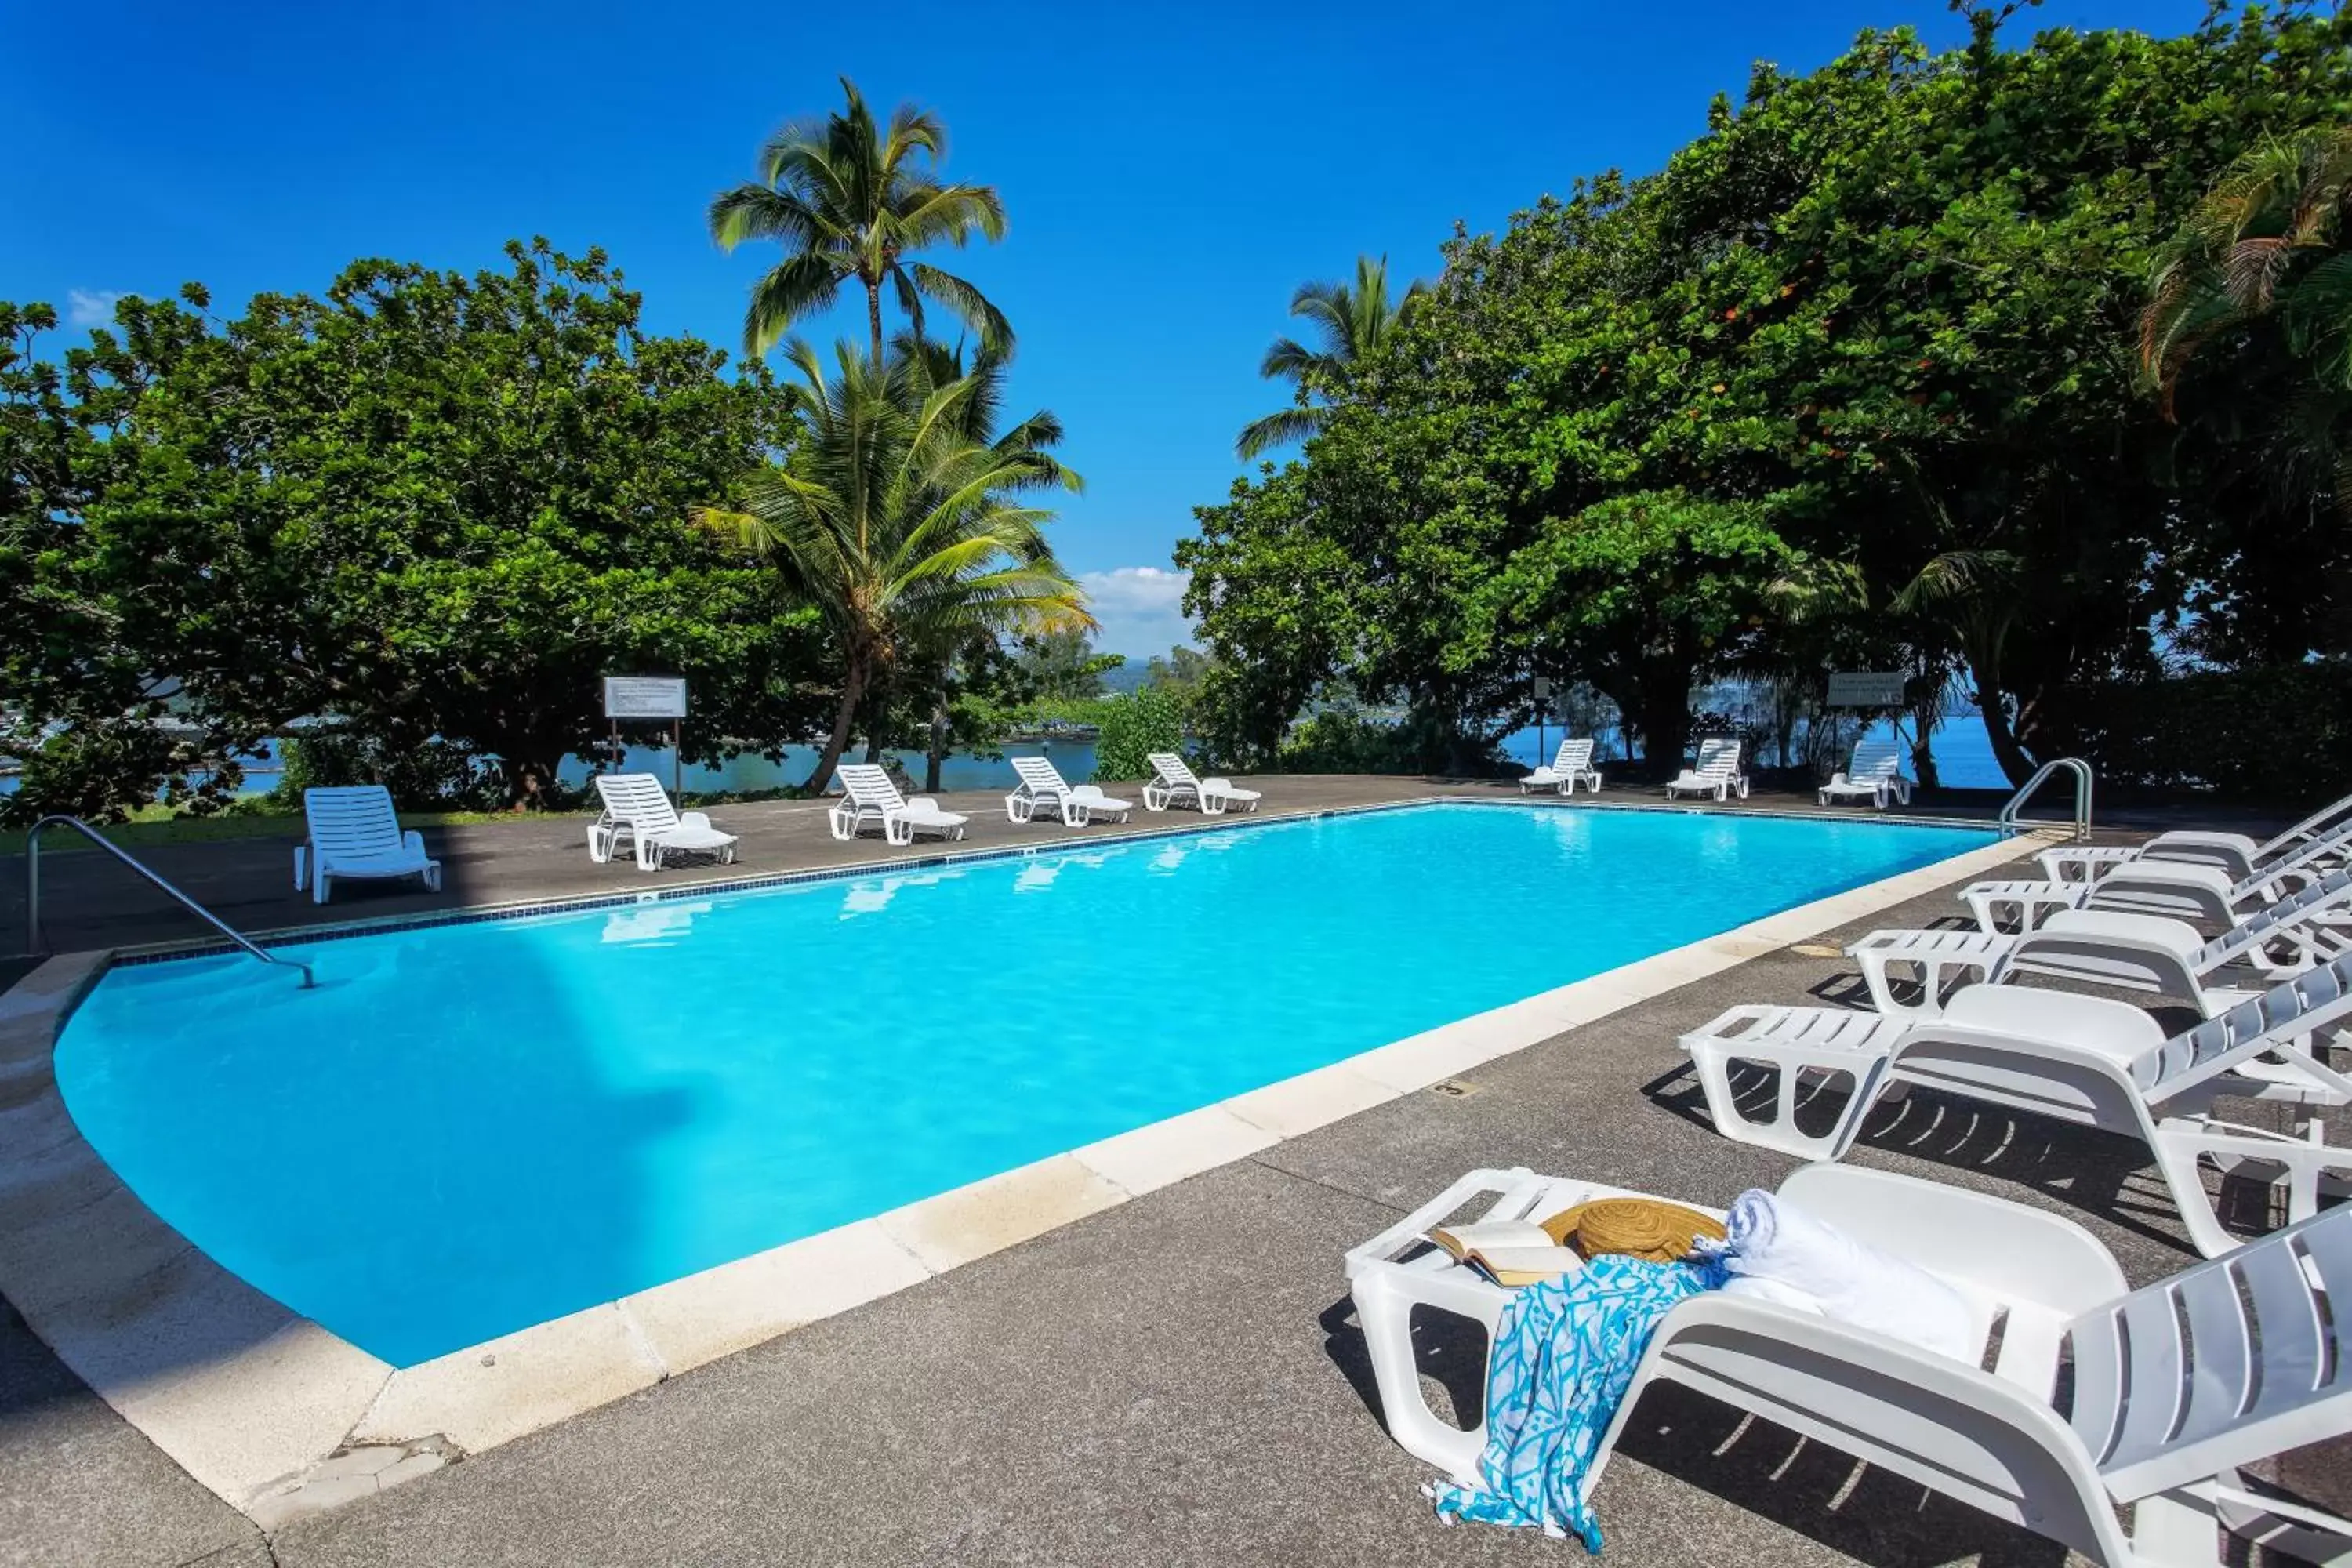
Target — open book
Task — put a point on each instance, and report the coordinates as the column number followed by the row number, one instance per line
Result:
column 1510, row 1252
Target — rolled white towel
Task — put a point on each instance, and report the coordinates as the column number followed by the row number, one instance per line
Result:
column 1784, row 1249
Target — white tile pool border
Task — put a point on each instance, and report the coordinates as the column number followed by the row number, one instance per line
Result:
column 279, row 1416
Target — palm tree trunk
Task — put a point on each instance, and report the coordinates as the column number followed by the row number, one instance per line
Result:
column 874, row 319
column 853, row 687
column 939, row 747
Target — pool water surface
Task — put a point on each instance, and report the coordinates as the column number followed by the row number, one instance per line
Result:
column 470, row 1128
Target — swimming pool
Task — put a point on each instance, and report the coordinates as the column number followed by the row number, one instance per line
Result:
column 470, row 1128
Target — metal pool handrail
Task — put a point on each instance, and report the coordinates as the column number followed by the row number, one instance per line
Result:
column 2081, row 771
column 33, row 894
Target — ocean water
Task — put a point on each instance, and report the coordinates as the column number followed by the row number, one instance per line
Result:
column 468, row 1129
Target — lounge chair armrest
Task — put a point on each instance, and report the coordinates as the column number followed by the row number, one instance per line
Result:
column 413, row 841
column 2026, row 1254
column 700, row 819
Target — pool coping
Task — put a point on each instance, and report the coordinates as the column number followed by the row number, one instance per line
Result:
column 281, row 1417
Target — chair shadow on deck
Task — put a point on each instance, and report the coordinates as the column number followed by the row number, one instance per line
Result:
column 1828, row 1497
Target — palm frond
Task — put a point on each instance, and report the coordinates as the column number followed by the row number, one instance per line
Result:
column 1292, row 425
column 971, row 306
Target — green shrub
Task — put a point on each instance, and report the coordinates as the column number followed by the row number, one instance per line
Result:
column 2275, row 734
column 1132, row 727
column 432, row 775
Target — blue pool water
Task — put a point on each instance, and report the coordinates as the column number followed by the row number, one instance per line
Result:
column 468, row 1129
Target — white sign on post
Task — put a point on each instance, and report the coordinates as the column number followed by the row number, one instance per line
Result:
column 644, row 697
column 1543, row 689
column 1865, row 688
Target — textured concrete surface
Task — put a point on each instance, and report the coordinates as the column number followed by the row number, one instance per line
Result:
column 1178, row 1380
column 78, row 1485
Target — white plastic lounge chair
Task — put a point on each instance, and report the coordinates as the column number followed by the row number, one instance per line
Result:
column 355, row 834
column 1874, row 774
column 1570, row 765
column 2091, row 862
column 2093, row 1061
column 2161, row 1415
column 2238, row 854
column 1042, row 785
column 870, row 796
column 2135, row 951
column 1173, row 781
column 1716, row 772
column 2177, row 889
column 638, row 808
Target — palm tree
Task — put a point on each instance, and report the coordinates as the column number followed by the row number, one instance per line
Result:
column 2268, row 244
column 1351, row 322
column 898, row 525
column 848, row 199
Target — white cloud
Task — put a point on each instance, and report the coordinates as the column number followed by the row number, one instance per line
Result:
column 1141, row 609
column 92, row 306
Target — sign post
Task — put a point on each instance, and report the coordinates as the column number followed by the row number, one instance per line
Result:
column 654, row 696
column 1543, row 689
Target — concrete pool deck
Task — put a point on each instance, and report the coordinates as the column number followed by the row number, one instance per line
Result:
column 1100, row 1394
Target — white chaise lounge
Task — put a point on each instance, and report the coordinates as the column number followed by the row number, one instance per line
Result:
column 1043, row 786
column 355, row 834
column 868, row 795
column 2139, row 953
column 1716, row 772
column 2239, row 854
column 1874, row 774
column 2095, row 1061
column 2179, row 888
column 638, row 809
column 2175, row 1385
column 1173, row 783
column 1570, row 765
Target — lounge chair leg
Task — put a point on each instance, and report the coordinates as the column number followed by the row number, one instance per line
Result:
column 1386, row 1319
column 2304, row 1163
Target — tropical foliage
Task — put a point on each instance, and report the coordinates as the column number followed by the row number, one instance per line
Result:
column 1351, row 324
column 1853, row 381
column 436, row 507
column 852, row 200
column 903, row 523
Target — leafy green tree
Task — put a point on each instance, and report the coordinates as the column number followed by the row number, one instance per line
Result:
column 2247, row 339
column 1351, row 324
column 1063, row 665
column 850, row 199
column 1886, row 312
column 905, row 532
column 426, row 505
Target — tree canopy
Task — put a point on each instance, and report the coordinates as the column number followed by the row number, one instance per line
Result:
column 427, row 504
column 1856, row 371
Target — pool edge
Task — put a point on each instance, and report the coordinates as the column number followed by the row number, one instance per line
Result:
column 279, row 1417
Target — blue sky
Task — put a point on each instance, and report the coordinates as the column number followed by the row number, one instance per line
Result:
column 1171, row 173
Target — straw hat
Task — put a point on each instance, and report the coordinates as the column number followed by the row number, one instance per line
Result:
column 1647, row 1228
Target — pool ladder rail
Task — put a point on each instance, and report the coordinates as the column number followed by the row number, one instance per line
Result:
column 34, row 943
column 2010, row 822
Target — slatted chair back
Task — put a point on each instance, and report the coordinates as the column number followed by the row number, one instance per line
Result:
column 1874, row 759
column 1173, row 769
column 2316, row 999
column 352, row 821
column 1718, row 759
column 1040, row 777
column 2233, row 1361
column 637, row 800
column 2272, row 920
column 1574, row 757
column 869, row 787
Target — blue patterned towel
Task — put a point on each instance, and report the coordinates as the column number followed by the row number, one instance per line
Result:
column 1564, row 1352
